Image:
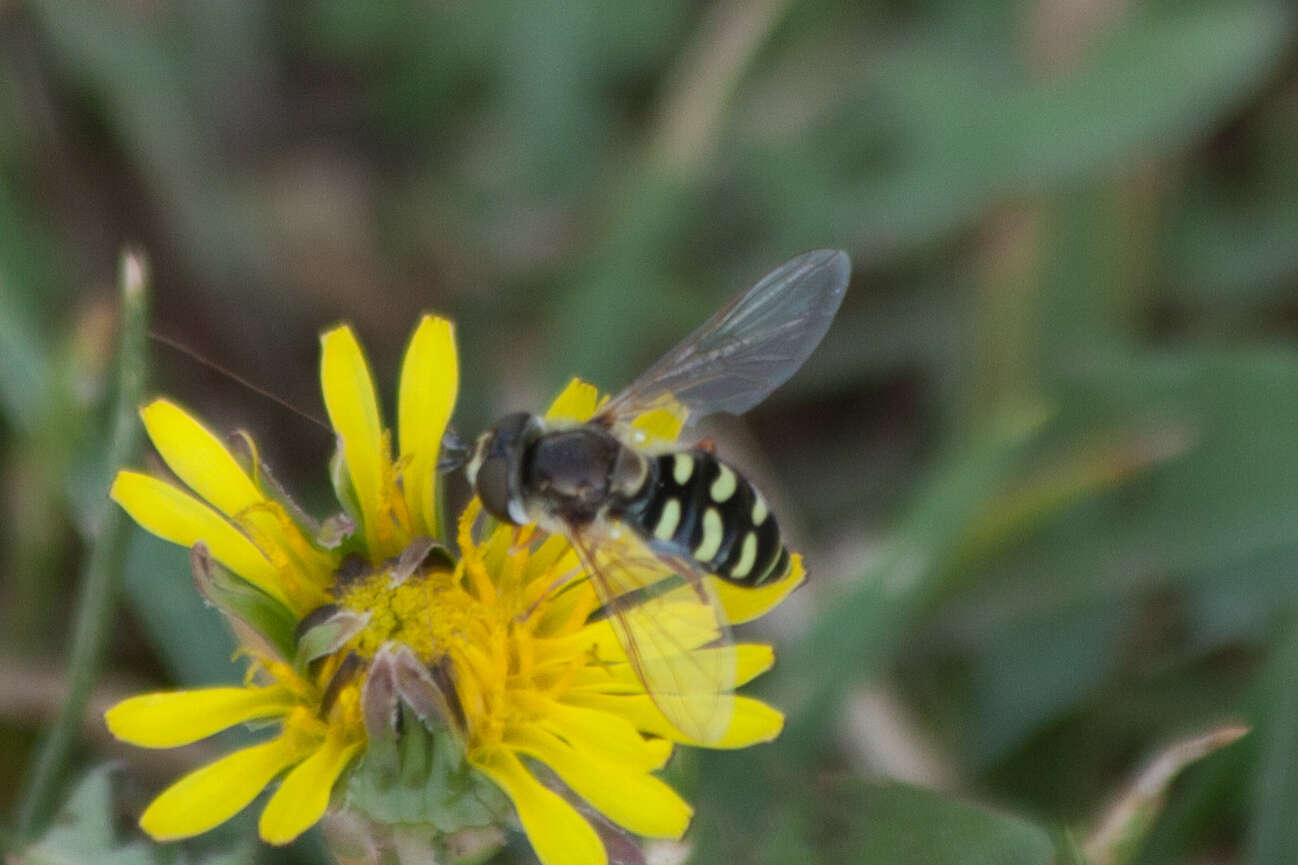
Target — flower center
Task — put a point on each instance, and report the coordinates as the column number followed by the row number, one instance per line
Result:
column 427, row 612
column 499, row 629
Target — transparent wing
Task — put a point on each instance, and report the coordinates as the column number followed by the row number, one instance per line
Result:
column 747, row 349
column 664, row 613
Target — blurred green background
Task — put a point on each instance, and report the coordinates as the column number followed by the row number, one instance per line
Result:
column 1044, row 469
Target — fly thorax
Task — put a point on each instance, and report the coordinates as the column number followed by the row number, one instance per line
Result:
column 572, row 473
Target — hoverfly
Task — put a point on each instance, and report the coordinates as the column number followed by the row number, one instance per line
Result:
column 650, row 528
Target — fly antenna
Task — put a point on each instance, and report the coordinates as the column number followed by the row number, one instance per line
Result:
column 176, row 345
column 455, row 452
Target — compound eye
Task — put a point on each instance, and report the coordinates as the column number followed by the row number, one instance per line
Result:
column 493, row 487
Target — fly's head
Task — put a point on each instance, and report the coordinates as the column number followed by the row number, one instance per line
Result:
column 495, row 471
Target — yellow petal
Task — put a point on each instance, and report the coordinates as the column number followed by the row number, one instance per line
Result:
column 661, row 425
column 354, row 412
column 559, row 835
column 751, row 721
column 579, row 400
column 614, row 738
column 199, row 458
column 303, row 796
column 430, row 379
column 743, row 604
column 170, row 718
column 576, row 403
column 750, row 659
column 209, row 796
column 176, row 516
column 633, row 799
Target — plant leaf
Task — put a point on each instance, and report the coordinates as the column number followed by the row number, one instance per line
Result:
column 1125, row 825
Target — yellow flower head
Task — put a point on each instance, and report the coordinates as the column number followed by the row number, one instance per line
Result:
column 366, row 631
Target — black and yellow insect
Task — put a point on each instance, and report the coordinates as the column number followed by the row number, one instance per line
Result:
column 652, row 529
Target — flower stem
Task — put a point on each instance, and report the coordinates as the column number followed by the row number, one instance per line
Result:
column 103, row 570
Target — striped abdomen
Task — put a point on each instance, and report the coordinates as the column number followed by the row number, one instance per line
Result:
column 695, row 506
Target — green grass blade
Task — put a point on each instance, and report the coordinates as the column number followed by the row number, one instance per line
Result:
column 94, row 612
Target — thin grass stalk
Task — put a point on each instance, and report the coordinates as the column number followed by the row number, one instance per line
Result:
column 103, row 571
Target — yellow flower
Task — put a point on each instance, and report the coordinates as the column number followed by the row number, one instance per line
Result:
column 500, row 652
column 237, row 520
